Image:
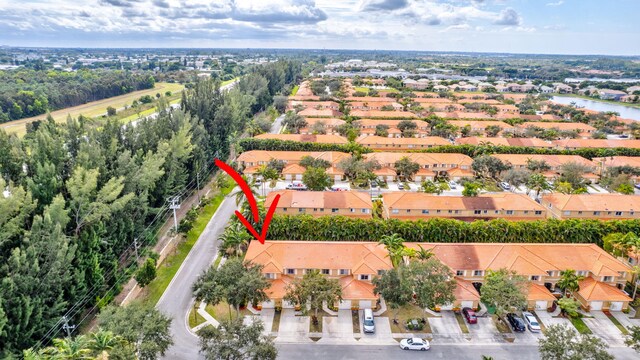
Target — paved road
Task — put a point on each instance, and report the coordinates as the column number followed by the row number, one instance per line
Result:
column 177, row 300
column 277, row 124
column 438, row 351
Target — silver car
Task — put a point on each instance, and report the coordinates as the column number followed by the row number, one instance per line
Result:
column 531, row 321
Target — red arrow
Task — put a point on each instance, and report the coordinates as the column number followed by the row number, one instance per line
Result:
column 252, row 203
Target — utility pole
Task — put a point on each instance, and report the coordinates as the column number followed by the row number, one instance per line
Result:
column 174, row 204
column 135, row 246
column 198, row 181
column 68, row 328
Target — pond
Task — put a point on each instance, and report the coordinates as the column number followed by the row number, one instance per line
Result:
column 626, row 112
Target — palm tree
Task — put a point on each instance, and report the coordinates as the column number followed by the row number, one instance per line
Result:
column 624, row 245
column 241, row 197
column 395, row 246
column 101, row 342
column 69, row 349
column 235, row 239
column 569, row 281
column 423, row 254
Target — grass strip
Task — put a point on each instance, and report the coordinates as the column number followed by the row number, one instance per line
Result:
column 462, row 323
column 580, row 326
column 617, row 323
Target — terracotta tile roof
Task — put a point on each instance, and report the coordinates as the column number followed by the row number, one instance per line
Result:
column 369, row 98
column 545, row 257
column 538, row 292
column 372, row 123
column 425, row 141
column 353, row 289
column 615, row 161
column 593, row 202
column 433, row 100
column 596, row 143
column 325, row 121
column 530, row 142
column 552, row 160
column 421, row 201
column 465, row 291
column 292, row 169
column 255, row 156
column 592, row 290
column 320, row 199
column 475, row 140
column 558, row 125
column 479, row 124
column 385, row 171
column 321, row 139
column 320, row 113
column 383, row 114
column 471, row 115
column 315, row 254
column 431, row 159
column 278, row 287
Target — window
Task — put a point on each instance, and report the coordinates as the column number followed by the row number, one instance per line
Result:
column 438, row 211
column 509, row 212
column 485, row 211
column 457, row 212
column 497, row 211
column 308, row 271
column 344, row 271
column 477, row 212
column 291, row 271
column 596, row 213
column 526, row 211
column 535, row 278
column 284, row 209
column 579, row 212
column 450, row 211
column 408, row 211
column 270, row 275
column 550, row 272
column 538, row 212
column 352, row 210
column 301, row 210
column 381, row 272
column 618, row 213
column 425, row 211
column 395, row 211
column 364, row 277
column 478, row 272
column 582, row 273
column 334, row 210
column 315, row 209
column 607, row 279
column 326, row 271
column 459, row 272
column 566, row 212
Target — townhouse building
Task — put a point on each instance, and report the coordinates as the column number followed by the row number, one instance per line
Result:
column 555, row 162
column 320, row 139
column 584, row 130
column 500, row 141
column 592, row 206
column 481, row 126
column 451, row 166
column 251, row 161
column 380, row 143
column 330, row 125
column 353, row 204
column 572, row 144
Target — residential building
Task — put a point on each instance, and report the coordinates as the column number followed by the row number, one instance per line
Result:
column 330, row 125
column 354, row 204
column 545, row 89
column 632, row 89
column 251, row 160
column 422, row 206
column 605, row 163
column 481, row 126
column 314, row 104
column 320, row 139
column 572, row 144
column 555, row 162
column 500, row 141
column 561, row 88
column 368, row 127
column 374, row 105
column 582, row 129
column 379, row 114
column 445, row 165
column 608, row 94
column 353, row 264
column 328, row 113
column 592, row 206
column 400, row 144
column 605, row 276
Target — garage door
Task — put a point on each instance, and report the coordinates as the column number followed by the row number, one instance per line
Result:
column 596, row 305
column 467, row 303
column 298, row 176
column 366, row 304
column 287, row 177
column 446, row 307
column 344, row 305
column 541, row 305
column 616, row 306
column 287, row 305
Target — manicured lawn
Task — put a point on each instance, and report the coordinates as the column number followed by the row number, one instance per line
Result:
column 276, row 321
column 462, row 323
column 316, row 327
column 623, row 329
column 580, row 326
column 405, row 313
column 194, row 318
column 501, row 325
column 363, row 89
column 227, row 82
column 171, row 264
column 294, row 91
column 356, row 322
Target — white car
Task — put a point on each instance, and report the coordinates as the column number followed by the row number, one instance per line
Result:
column 414, row 344
column 505, row 185
column 532, row 322
column 453, row 185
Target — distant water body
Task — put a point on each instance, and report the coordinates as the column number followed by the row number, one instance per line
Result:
column 626, row 112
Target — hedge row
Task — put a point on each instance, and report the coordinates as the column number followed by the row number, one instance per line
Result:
column 290, row 145
column 340, row 228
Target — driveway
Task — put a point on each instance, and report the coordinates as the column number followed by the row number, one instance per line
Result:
column 293, row 328
column 338, row 329
column 266, row 316
column 547, row 319
column 446, row 327
column 602, row 326
column 382, row 336
column 484, row 331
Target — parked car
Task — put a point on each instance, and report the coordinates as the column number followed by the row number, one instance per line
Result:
column 369, row 326
column 414, row 344
column 505, row 185
column 296, row 185
column 400, row 186
column 470, row 315
column 453, row 185
column 637, row 186
column 516, row 322
column 532, row 322
column 258, row 181
column 339, row 188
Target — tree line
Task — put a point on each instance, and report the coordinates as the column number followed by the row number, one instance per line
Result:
column 76, row 195
column 25, row 93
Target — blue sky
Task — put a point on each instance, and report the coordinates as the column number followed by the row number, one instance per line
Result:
column 519, row 26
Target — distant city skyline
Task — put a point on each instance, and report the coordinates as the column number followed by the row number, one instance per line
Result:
column 504, row 26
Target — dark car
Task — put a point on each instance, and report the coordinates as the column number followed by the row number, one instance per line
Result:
column 470, row 315
column 516, row 322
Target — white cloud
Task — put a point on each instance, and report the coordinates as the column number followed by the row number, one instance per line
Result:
column 557, row 3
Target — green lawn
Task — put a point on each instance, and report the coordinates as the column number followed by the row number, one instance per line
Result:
column 462, row 323
column 227, row 82
column 294, row 91
column 623, row 329
column 405, row 313
column 147, row 112
column 580, row 326
column 171, row 264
